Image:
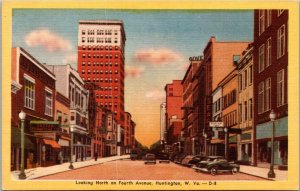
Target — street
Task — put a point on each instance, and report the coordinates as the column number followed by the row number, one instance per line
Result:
column 137, row 170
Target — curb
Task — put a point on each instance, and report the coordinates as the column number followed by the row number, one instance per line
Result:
column 257, row 176
column 65, row 171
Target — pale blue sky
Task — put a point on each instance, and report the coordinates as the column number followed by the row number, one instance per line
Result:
column 184, row 33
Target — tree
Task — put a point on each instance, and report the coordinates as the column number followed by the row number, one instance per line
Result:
column 155, row 147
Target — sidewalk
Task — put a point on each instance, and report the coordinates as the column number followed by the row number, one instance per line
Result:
column 44, row 171
column 263, row 172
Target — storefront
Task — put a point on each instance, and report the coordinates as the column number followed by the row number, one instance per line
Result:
column 51, row 143
column 30, row 148
column 263, row 142
column 217, row 147
column 82, row 148
column 245, row 147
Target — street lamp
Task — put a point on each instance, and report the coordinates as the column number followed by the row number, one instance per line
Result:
column 226, row 142
column 22, row 116
column 271, row 173
column 205, row 143
column 71, row 146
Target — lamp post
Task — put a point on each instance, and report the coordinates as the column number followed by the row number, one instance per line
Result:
column 226, row 142
column 71, row 151
column 205, row 144
column 271, row 173
column 22, row 116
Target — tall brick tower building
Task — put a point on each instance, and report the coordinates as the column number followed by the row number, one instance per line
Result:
column 101, row 46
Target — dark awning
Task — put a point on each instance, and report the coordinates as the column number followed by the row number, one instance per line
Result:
column 16, row 139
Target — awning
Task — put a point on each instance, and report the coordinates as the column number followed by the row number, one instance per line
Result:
column 215, row 141
column 16, row 139
column 52, row 143
column 45, row 122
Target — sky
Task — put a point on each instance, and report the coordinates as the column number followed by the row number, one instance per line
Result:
column 158, row 46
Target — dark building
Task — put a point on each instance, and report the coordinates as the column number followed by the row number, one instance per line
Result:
column 270, row 58
column 33, row 91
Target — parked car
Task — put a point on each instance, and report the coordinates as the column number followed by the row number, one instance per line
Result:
column 150, row 158
column 133, row 155
column 215, row 165
column 195, row 160
column 179, row 158
column 172, row 156
column 186, row 159
column 163, row 158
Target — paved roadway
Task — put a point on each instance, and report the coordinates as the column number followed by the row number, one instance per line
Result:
column 137, row 170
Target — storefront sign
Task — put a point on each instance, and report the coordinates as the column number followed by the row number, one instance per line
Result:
column 46, row 135
column 44, row 126
column 216, row 124
column 246, row 136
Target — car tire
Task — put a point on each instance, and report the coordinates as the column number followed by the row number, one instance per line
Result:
column 214, row 171
column 234, row 170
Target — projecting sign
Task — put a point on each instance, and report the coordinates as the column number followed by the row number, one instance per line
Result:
column 216, row 124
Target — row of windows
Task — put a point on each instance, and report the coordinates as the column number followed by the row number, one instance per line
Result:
column 246, row 78
column 30, row 98
column 101, row 80
column 246, row 110
column 99, row 32
column 265, row 19
column 110, row 104
column 99, row 40
column 100, row 48
column 230, row 119
column 106, row 96
column 106, row 88
column 100, row 56
column 264, row 93
column 217, row 105
column 76, row 97
column 229, row 99
column 265, row 50
column 100, row 64
column 101, row 72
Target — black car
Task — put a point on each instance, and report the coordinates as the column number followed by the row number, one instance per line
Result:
column 215, row 165
column 179, row 158
column 163, row 158
column 187, row 159
column 150, row 158
column 196, row 159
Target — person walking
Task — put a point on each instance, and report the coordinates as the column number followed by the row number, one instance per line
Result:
column 96, row 155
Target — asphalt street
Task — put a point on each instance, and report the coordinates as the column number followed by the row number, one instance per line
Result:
column 137, row 170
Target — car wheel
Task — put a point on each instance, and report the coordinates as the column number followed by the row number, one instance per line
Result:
column 214, row 171
column 234, row 170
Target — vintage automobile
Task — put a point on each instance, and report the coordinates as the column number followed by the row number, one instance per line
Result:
column 194, row 160
column 150, row 158
column 163, row 158
column 178, row 158
column 186, row 159
column 215, row 165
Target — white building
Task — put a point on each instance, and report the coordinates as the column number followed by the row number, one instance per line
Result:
column 70, row 84
column 217, row 143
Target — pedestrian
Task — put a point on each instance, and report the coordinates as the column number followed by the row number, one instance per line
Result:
column 96, row 155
